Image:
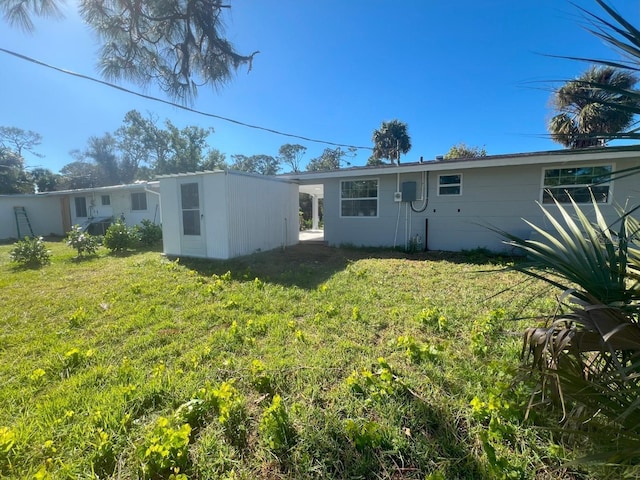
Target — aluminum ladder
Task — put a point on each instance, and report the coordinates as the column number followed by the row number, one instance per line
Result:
column 22, row 222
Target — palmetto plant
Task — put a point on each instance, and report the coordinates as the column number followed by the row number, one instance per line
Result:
column 588, row 354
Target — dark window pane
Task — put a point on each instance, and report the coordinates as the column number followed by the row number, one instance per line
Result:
column 191, row 222
column 454, row 190
column 139, row 201
column 190, row 198
column 81, row 206
column 450, row 179
column 359, row 208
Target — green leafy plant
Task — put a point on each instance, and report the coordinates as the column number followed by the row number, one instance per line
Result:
column 148, row 233
column 166, row 449
column 30, row 252
column 417, row 351
column 118, row 237
column 7, row 442
column 260, row 379
column 382, row 383
column 365, row 434
column 81, row 241
column 276, row 430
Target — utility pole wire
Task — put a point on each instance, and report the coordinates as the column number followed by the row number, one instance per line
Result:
column 177, row 105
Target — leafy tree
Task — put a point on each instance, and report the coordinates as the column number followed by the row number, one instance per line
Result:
column 390, row 140
column 135, row 144
column 592, row 105
column 461, row 150
column 186, row 148
column 102, row 150
column 330, row 159
column 45, row 180
column 18, row 139
column 291, row 155
column 215, row 160
column 261, row 164
column 144, row 144
column 79, row 174
column 178, row 45
column 374, row 162
column 13, row 177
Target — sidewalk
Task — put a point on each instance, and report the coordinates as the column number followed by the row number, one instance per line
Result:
column 311, row 236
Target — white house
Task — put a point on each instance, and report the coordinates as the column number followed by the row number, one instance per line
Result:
column 226, row 214
column 448, row 204
column 53, row 213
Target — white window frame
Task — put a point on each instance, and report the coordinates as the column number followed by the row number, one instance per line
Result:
column 146, row 202
column 102, row 199
column 459, row 184
column 376, row 198
column 545, row 200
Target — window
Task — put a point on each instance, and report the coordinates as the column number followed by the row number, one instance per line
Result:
column 139, row 201
column 450, row 184
column 190, row 208
column 359, row 198
column 577, row 183
column 81, row 206
column 106, row 200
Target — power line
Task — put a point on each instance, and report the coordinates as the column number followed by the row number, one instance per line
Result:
column 177, row 105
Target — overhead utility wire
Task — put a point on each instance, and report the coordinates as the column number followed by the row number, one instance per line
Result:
column 177, row 105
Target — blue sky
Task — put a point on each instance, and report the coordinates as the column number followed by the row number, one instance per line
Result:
column 457, row 71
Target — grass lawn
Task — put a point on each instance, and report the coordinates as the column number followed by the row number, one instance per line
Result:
column 311, row 362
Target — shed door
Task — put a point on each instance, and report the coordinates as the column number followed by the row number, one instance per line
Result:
column 192, row 219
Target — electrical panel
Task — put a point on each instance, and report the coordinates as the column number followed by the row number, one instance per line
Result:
column 408, row 191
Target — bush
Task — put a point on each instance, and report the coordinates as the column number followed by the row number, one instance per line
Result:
column 148, row 233
column 81, row 241
column 119, row 237
column 30, row 252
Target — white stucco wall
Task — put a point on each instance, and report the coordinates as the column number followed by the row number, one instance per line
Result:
column 44, row 212
column 498, row 196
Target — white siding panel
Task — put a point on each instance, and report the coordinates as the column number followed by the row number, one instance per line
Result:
column 44, row 212
column 263, row 214
column 170, row 216
column 215, row 213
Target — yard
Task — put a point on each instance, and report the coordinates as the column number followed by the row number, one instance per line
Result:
column 311, row 362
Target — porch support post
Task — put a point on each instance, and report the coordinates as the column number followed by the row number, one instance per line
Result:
column 314, row 212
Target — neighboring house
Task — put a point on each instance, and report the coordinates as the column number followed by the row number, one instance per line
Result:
column 226, row 214
column 449, row 204
column 53, row 213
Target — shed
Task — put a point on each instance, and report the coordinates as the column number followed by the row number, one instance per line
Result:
column 225, row 214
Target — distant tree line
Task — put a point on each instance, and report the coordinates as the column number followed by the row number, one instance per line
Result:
column 141, row 149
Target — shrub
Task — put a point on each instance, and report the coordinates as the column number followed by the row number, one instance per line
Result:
column 119, row 237
column 148, row 233
column 30, row 252
column 82, row 241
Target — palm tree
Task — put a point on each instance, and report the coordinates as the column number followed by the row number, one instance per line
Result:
column 390, row 140
column 592, row 107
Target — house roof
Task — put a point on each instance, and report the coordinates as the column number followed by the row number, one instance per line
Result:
column 557, row 157
column 132, row 186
